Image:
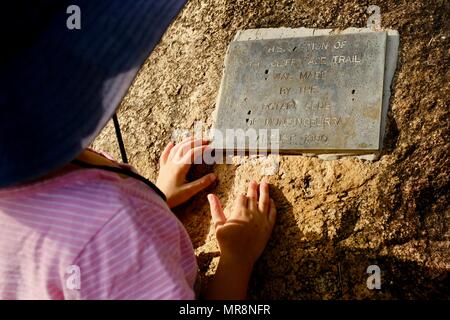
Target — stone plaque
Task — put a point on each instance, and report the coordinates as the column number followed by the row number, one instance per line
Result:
column 324, row 93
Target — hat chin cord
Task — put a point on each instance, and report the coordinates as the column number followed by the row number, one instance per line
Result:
column 123, row 152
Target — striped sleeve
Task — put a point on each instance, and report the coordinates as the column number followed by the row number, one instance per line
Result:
column 135, row 255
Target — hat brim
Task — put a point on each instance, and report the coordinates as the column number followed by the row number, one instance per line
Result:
column 61, row 89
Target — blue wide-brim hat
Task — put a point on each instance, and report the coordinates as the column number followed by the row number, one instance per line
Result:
column 60, row 86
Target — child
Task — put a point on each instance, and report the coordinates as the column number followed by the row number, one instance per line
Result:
column 75, row 224
column 121, row 236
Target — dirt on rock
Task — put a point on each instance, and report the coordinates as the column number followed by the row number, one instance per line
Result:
column 335, row 218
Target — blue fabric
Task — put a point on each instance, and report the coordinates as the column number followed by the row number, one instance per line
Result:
column 59, row 87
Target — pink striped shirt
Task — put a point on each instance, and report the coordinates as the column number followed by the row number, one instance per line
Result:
column 91, row 234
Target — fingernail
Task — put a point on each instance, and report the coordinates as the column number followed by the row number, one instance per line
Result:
column 212, row 177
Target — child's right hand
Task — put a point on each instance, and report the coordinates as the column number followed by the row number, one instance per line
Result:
column 243, row 236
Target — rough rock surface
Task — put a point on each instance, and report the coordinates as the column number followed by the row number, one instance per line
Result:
column 335, row 217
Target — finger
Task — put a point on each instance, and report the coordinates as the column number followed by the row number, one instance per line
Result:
column 252, row 194
column 217, row 215
column 264, row 199
column 272, row 213
column 166, row 152
column 192, row 155
column 178, row 146
column 194, row 187
column 185, row 146
column 241, row 201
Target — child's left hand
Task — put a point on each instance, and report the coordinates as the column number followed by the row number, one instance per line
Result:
column 174, row 163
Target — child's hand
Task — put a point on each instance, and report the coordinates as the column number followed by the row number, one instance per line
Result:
column 175, row 162
column 243, row 236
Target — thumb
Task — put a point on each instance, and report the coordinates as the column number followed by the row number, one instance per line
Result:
column 218, row 217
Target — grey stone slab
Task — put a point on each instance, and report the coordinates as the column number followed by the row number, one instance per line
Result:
column 324, row 93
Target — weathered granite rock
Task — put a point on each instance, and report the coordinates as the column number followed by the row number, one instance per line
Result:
column 335, row 217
